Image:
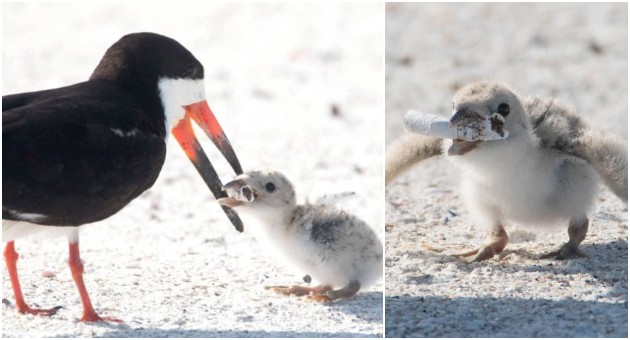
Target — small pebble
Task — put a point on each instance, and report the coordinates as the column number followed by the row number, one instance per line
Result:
column 48, row 274
column 406, row 61
column 335, row 111
column 595, row 47
column 248, row 318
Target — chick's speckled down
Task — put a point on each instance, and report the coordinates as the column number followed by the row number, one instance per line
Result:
column 332, row 246
column 338, row 245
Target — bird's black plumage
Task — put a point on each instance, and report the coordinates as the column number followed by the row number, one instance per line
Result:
column 63, row 159
column 80, row 153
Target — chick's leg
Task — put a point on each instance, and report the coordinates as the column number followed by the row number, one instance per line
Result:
column 577, row 232
column 486, row 216
column 498, row 241
column 299, row 290
column 344, row 293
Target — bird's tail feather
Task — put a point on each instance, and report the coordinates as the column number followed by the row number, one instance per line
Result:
column 408, row 150
column 608, row 154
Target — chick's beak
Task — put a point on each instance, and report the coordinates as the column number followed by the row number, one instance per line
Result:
column 239, row 193
column 460, row 147
column 202, row 115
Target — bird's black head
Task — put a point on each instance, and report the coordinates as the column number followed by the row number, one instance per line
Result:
column 167, row 82
column 147, row 57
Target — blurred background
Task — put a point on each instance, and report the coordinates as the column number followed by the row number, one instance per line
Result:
column 575, row 52
column 296, row 87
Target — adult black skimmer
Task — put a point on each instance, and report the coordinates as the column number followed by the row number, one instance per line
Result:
column 78, row 154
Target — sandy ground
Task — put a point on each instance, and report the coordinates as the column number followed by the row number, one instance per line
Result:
column 170, row 264
column 577, row 53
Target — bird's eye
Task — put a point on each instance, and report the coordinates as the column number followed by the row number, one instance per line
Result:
column 270, row 187
column 453, row 105
column 503, row 109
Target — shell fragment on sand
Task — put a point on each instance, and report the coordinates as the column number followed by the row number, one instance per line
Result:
column 473, row 129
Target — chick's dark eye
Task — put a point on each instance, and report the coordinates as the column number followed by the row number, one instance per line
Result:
column 270, row 187
column 503, row 109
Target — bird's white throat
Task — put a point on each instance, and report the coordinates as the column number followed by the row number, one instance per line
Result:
column 177, row 93
column 273, row 220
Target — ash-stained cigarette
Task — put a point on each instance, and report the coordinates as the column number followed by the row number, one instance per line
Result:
column 465, row 117
column 247, row 193
column 465, row 125
column 496, row 124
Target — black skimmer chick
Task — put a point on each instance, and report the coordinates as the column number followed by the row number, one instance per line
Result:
column 79, row 154
column 335, row 248
column 544, row 174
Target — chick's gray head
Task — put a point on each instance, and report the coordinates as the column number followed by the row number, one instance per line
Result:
column 483, row 100
column 262, row 189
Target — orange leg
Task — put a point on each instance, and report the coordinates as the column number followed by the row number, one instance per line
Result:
column 76, row 267
column 11, row 257
column 498, row 241
column 577, row 232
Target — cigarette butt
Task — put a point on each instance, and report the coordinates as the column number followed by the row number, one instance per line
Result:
column 428, row 125
column 435, row 126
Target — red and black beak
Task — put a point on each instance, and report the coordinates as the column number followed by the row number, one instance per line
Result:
column 202, row 115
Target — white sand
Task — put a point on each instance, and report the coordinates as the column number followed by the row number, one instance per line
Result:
column 577, row 53
column 170, row 264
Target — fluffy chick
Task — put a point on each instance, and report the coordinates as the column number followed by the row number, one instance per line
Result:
column 337, row 249
column 544, row 174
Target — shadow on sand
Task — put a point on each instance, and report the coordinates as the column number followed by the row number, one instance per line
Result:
column 355, row 306
column 418, row 316
column 122, row 332
column 414, row 316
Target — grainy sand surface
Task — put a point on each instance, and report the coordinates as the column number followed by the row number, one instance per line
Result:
column 575, row 52
column 170, row 264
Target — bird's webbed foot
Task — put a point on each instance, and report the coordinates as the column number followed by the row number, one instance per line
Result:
column 498, row 241
column 299, row 290
column 37, row 311
column 344, row 293
column 567, row 251
column 570, row 250
column 97, row 318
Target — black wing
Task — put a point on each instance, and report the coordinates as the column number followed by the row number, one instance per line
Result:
column 65, row 160
column 13, row 101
